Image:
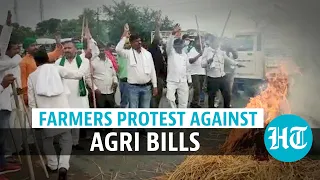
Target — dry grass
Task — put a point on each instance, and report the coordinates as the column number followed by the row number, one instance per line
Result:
column 242, row 168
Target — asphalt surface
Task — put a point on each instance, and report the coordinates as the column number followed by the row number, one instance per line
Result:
column 113, row 167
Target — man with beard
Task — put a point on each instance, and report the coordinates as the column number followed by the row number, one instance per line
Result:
column 178, row 75
column 110, row 49
column 197, row 72
column 141, row 71
column 142, row 78
column 78, row 97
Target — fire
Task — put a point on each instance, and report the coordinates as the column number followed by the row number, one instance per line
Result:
column 274, row 98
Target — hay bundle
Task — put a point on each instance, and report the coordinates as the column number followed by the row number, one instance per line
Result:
column 242, row 168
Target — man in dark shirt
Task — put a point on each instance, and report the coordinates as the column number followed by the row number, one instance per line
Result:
column 160, row 66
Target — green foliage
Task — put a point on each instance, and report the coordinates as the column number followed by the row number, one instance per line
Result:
column 21, row 32
column 140, row 20
column 48, row 28
column 107, row 27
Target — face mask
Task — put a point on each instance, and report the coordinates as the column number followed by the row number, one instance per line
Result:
column 186, row 43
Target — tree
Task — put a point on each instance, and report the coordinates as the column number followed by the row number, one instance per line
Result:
column 48, row 28
column 140, row 20
column 19, row 33
column 71, row 28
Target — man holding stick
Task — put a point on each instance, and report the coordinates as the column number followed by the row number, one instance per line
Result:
column 159, row 63
column 197, row 72
column 213, row 60
column 6, row 63
column 45, row 92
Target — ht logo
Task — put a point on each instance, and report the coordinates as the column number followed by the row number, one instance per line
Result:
column 288, row 138
column 281, row 137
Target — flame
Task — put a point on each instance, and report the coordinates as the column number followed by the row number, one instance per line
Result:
column 274, row 98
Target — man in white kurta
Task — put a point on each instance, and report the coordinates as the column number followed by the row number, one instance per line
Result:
column 7, row 52
column 75, row 99
column 44, row 92
column 178, row 72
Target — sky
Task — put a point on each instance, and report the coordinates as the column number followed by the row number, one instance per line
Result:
column 211, row 13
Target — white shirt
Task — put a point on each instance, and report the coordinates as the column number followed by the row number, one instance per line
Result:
column 196, row 68
column 216, row 68
column 59, row 101
column 5, row 64
column 75, row 100
column 8, row 66
column 142, row 70
column 104, row 75
column 177, row 64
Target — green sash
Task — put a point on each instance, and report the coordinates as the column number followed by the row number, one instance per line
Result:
column 82, row 87
column 189, row 48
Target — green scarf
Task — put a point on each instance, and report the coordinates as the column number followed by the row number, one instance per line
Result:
column 82, row 87
column 189, row 48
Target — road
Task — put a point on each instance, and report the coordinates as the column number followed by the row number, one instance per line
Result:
column 133, row 167
column 115, row 167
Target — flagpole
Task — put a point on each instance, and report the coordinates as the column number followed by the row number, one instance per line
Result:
column 24, row 132
column 200, row 40
column 82, row 30
column 28, row 119
column 91, row 69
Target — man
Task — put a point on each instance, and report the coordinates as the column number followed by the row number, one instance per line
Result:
column 141, row 71
column 105, row 78
column 6, row 63
column 5, row 167
column 28, row 65
column 45, row 92
column 178, row 76
column 159, row 64
column 187, row 43
column 229, row 68
column 213, row 60
column 78, row 97
column 12, row 54
column 197, row 73
column 123, row 78
column 110, row 49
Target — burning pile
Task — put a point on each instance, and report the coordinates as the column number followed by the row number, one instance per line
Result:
column 274, row 102
column 273, row 99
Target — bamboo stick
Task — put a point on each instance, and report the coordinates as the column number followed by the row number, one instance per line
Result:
column 24, row 133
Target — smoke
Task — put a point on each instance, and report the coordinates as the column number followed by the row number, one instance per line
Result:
column 299, row 24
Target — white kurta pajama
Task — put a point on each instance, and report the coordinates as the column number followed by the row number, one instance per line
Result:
column 74, row 98
column 41, row 83
column 178, row 76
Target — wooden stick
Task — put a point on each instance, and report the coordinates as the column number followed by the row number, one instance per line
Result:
column 225, row 24
column 15, row 145
column 91, row 69
column 24, row 132
column 34, row 135
column 82, row 31
column 200, row 40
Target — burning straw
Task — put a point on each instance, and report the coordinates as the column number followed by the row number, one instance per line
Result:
column 273, row 99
